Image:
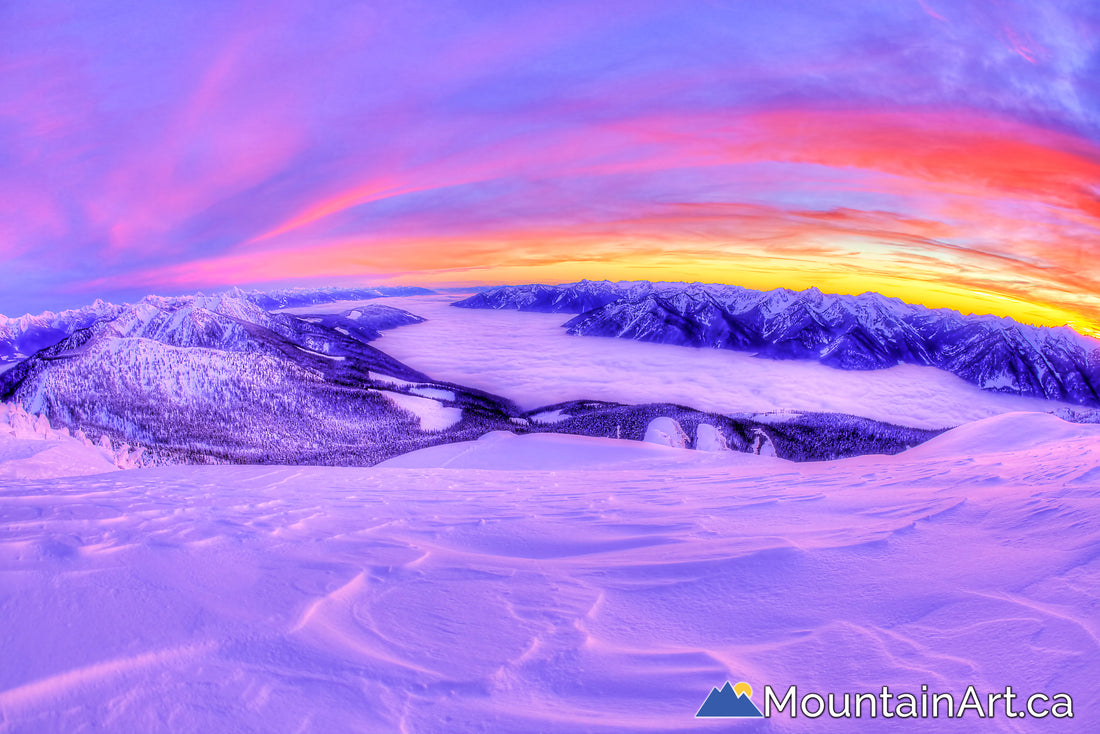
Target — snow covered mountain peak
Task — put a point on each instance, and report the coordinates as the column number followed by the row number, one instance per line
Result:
column 23, row 336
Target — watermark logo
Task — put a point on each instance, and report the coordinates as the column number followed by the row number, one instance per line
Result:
column 730, row 702
column 735, row 702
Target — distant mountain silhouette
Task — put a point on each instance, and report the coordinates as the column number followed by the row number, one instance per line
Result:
column 725, row 703
column 864, row 332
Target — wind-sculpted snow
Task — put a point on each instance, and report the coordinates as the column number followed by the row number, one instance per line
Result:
column 865, row 332
column 275, row 599
column 30, row 448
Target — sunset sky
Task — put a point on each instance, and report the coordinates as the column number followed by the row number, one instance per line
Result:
column 947, row 152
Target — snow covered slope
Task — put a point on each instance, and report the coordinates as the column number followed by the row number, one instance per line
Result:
column 863, row 332
column 437, row 601
column 216, row 379
column 219, row 379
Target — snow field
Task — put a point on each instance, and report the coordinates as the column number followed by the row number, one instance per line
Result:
column 433, row 415
column 260, row 599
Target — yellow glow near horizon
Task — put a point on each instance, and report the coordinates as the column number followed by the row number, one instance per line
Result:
column 944, row 276
column 767, row 276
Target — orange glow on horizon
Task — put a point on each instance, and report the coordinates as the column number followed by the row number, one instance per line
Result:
column 406, row 263
column 997, row 218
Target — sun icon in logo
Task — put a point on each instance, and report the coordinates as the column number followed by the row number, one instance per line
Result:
column 743, row 688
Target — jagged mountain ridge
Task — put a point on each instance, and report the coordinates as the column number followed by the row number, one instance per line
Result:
column 869, row 331
column 23, row 336
column 577, row 297
column 272, row 300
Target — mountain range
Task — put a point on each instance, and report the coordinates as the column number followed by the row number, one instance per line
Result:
column 218, row 379
column 23, row 336
column 272, row 300
column 863, row 332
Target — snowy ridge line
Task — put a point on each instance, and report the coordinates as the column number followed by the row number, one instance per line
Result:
column 864, row 332
column 13, row 324
column 296, row 297
column 24, row 335
column 280, row 298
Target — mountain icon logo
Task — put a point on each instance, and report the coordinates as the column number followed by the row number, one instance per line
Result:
column 730, row 702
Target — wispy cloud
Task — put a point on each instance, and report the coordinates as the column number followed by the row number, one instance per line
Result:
column 858, row 145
